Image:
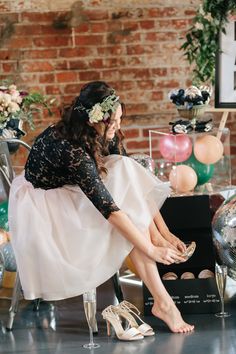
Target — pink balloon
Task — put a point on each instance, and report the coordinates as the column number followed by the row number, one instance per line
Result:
column 183, row 178
column 208, row 149
column 175, row 148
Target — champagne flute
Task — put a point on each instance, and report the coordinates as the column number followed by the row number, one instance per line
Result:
column 90, row 305
column 221, row 277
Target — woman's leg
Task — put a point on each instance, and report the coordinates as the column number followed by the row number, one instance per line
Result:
column 156, row 237
column 163, row 229
column 163, row 307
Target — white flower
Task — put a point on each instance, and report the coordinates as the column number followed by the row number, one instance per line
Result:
column 5, row 99
column 15, row 96
column 192, row 91
column 96, row 114
column 12, row 88
column 19, row 99
column 206, row 88
column 208, row 17
column 201, row 11
column 199, row 26
column 13, row 107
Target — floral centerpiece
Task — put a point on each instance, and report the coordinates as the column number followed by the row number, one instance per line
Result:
column 191, row 103
column 17, row 107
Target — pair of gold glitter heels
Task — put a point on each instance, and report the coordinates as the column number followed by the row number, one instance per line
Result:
column 190, row 249
column 137, row 329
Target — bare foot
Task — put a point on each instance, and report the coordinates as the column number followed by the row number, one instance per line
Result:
column 161, row 242
column 172, row 317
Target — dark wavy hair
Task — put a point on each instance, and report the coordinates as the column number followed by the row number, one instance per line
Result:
column 74, row 126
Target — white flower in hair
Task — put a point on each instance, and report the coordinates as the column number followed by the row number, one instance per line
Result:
column 101, row 111
column 96, row 114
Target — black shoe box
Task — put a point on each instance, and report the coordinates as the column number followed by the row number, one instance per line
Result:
column 189, row 218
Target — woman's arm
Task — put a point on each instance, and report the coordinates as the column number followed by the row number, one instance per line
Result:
column 125, row 226
column 165, row 232
column 83, row 172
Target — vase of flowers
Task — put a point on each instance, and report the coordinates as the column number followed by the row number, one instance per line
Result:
column 16, row 108
column 192, row 102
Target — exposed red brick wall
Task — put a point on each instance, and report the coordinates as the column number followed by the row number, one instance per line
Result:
column 132, row 45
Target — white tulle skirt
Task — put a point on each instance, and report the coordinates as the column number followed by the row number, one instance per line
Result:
column 62, row 244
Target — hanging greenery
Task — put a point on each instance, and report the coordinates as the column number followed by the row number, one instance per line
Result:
column 202, row 45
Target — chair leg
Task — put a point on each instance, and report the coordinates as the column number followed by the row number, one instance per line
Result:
column 14, row 303
column 36, row 304
column 117, row 286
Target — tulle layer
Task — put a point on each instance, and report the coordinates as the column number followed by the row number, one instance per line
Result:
column 63, row 245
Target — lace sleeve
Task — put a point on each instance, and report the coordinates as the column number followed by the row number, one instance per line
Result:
column 83, row 172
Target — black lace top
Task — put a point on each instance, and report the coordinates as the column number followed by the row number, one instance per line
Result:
column 54, row 162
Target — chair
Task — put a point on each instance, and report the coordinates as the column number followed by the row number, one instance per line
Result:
column 7, row 173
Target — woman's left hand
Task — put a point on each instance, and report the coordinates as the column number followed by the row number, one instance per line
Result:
column 175, row 241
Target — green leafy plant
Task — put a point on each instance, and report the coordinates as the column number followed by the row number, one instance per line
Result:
column 34, row 102
column 201, row 45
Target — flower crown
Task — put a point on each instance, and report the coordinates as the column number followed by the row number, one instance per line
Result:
column 100, row 111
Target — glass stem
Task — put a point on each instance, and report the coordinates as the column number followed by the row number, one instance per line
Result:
column 90, row 336
column 222, row 305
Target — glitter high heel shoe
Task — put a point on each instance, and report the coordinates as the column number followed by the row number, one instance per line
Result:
column 188, row 252
column 131, row 313
column 112, row 316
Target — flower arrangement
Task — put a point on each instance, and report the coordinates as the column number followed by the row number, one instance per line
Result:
column 100, row 111
column 17, row 107
column 191, row 102
column 190, row 97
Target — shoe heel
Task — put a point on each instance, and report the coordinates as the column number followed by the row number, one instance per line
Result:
column 111, row 316
column 108, row 328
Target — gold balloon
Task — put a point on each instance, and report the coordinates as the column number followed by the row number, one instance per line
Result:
column 183, row 178
column 3, row 236
column 208, row 149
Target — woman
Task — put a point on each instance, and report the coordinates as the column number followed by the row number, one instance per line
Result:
column 82, row 206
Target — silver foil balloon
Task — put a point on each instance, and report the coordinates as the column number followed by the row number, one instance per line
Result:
column 8, row 257
column 2, row 268
column 224, row 234
column 145, row 160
